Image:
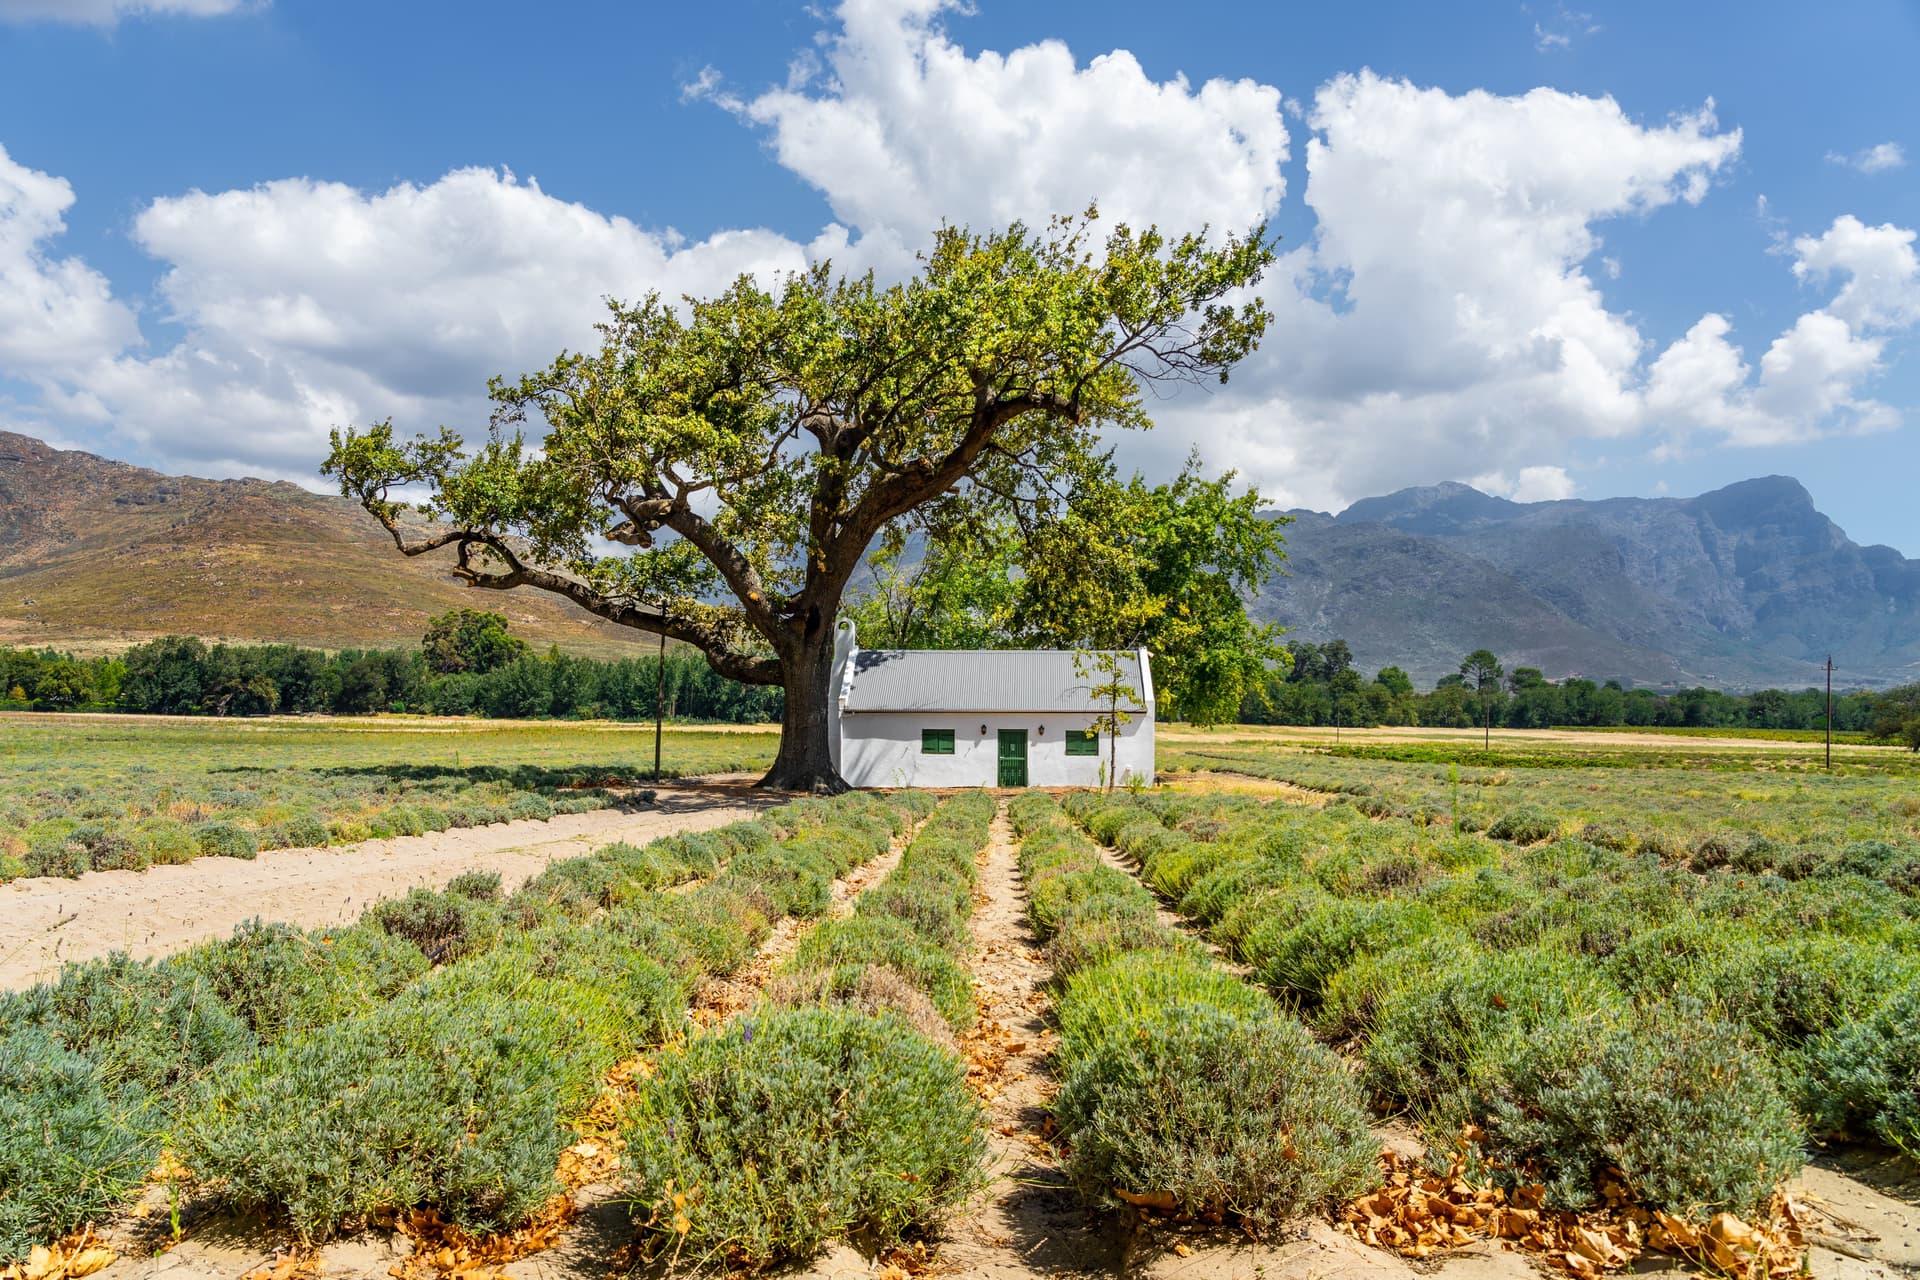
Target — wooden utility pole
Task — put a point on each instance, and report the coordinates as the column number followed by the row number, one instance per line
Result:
column 1829, row 713
column 659, row 703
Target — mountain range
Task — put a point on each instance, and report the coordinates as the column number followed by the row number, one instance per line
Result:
column 97, row 554
column 1746, row 586
column 1742, row 587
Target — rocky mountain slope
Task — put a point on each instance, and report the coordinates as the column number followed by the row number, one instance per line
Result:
column 96, row 554
column 1747, row 585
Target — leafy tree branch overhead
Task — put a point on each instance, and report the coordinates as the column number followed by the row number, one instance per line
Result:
column 1117, row 565
column 750, row 447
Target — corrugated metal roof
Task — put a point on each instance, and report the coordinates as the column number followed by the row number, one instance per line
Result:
column 981, row 680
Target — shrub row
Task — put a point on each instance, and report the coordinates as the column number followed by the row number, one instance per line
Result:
column 836, row 1107
column 70, row 849
column 1692, row 807
column 425, row 1055
column 471, row 1076
column 1581, row 1010
column 908, row 932
column 1184, row 1086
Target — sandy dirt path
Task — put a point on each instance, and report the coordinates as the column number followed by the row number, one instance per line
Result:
column 1310, row 1248
column 46, row 922
column 1032, row 1222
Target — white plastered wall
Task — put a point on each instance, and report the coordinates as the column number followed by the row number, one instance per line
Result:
column 882, row 749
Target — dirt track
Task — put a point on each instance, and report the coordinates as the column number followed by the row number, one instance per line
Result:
column 46, row 922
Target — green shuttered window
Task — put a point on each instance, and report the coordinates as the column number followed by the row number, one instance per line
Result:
column 936, row 742
column 1083, row 742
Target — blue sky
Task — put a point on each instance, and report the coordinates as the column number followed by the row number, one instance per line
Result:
column 1494, row 275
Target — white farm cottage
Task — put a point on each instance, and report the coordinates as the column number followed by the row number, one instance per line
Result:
column 966, row 718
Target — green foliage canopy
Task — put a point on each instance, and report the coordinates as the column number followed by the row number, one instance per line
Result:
column 1896, row 716
column 470, row 640
column 1120, row 565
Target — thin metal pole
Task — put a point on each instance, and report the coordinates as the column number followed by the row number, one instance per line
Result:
column 1829, row 713
column 659, row 703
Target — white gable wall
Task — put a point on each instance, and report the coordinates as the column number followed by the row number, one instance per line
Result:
column 882, row 749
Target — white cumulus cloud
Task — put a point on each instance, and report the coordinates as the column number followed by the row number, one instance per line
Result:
column 1446, row 317
column 902, row 129
column 1875, row 159
column 1442, row 322
column 1811, row 378
column 1883, row 272
column 309, row 305
column 56, row 314
column 1533, row 484
column 1543, row 484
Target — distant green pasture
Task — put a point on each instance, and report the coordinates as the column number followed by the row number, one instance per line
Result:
column 121, row 792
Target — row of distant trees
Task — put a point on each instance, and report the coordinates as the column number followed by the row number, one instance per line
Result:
column 1321, row 686
column 469, row 663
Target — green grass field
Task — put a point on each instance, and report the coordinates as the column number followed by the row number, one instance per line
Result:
column 123, row 792
column 1840, row 738
column 1662, row 798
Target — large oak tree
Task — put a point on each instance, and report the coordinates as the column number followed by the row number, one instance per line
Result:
column 747, row 448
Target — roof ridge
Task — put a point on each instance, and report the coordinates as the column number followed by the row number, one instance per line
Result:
column 1019, row 652
column 1002, row 681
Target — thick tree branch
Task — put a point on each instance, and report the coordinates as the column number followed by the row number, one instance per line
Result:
column 914, row 484
column 719, row 654
column 741, row 577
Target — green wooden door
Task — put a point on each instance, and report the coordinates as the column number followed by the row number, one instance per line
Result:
column 1013, row 757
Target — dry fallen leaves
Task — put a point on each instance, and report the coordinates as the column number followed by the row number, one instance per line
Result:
column 721, row 998
column 590, row 1161
column 287, row 1264
column 80, row 1254
column 1420, row 1213
column 1161, row 1200
column 169, row 1169
column 987, row 1048
column 440, row 1248
column 906, row 1260
column 596, row 1157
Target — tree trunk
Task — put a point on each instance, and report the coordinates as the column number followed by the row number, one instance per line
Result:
column 805, row 761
